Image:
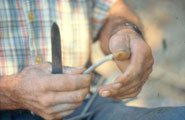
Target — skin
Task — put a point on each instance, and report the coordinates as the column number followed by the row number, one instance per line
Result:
column 54, row 96
column 116, row 37
column 51, row 96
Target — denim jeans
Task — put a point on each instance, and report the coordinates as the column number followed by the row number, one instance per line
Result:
column 109, row 109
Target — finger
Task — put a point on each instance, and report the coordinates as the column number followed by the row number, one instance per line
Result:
column 114, row 89
column 133, row 71
column 65, row 82
column 42, row 114
column 72, row 70
column 72, row 97
column 145, row 77
column 149, row 63
column 135, row 85
column 130, row 95
column 119, row 42
column 138, row 50
column 46, row 67
column 121, row 82
column 62, row 108
column 61, row 115
column 54, row 116
column 65, row 107
column 135, row 88
column 52, row 99
column 105, row 91
column 109, row 90
column 128, row 92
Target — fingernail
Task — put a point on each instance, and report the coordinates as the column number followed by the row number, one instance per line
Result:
column 105, row 93
column 117, row 85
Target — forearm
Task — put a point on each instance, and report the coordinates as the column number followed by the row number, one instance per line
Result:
column 119, row 14
column 5, row 100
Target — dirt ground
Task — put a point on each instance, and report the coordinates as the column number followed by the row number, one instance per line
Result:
column 164, row 25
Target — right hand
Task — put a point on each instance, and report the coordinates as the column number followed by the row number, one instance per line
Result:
column 51, row 96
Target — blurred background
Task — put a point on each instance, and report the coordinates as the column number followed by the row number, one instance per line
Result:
column 164, row 26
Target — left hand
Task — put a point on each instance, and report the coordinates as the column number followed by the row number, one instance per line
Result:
column 135, row 70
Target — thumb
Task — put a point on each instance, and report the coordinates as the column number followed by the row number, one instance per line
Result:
column 119, row 45
column 119, row 42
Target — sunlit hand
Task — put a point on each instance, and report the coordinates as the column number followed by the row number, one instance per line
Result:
column 135, row 70
column 51, row 96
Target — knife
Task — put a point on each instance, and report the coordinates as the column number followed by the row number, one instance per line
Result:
column 56, row 50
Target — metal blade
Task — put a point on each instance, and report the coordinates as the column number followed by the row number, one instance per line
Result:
column 56, row 50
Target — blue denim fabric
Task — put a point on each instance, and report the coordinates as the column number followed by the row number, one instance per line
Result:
column 110, row 109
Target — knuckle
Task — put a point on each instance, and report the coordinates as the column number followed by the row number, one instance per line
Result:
column 152, row 61
column 70, row 82
column 79, row 97
column 134, row 74
column 78, row 105
column 70, row 112
column 148, row 50
column 44, row 87
column 138, row 74
column 64, row 114
column 85, row 92
column 86, row 79
column 129, row 75
column 90, row 76
column 133, row 95
column 49, row 111
column 135, row 89
column 45, row 102
column 69, row 85
column 151, row 70
column 136, row 94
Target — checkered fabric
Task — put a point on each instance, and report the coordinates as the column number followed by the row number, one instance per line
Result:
column 25, row 31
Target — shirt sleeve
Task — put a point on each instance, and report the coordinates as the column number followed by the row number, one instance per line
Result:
column 100, row 13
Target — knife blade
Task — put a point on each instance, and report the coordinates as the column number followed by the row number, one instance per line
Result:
column 56, row 50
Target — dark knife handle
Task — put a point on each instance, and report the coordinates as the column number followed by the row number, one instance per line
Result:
column 56, row 50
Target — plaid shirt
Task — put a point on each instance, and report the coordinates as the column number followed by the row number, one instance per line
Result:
column 25, row 31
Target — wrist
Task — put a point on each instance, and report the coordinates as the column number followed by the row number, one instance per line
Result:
column 8, row 104
column 8, row 83
column 7, row 91
column 120, row 23
column 111, row 27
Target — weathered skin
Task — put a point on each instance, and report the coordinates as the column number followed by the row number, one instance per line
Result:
column 116, row 37
column 135, row 70
column 51, row 96
column 56, row 96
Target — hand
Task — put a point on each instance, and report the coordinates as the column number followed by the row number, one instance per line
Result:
column 51, row 96
column 135, row 70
